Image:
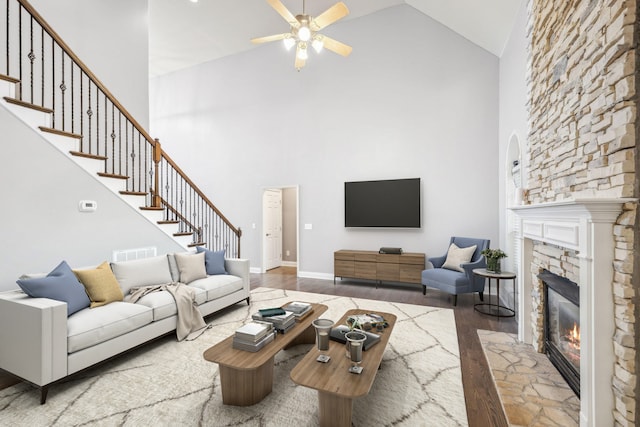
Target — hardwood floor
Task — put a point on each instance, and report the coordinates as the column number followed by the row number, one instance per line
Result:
column 483, row 404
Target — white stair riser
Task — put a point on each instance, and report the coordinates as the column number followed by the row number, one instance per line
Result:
column 30, row 116
column 93, row 166
column 7, row 89
column 153, row 216
column 62, row 142
column 134, row 200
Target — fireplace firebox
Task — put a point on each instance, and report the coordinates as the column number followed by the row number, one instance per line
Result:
column 562, row 326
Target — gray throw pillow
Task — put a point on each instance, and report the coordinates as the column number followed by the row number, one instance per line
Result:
column 191, row 266
column 61, row 285
column 213, row 261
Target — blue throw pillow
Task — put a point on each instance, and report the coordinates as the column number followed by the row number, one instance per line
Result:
column 213, row 261
column 61, row 285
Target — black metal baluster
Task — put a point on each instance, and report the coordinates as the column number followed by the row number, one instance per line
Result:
column 89, row 114
column 82, row 111
column 73, row 95
column 31, row 57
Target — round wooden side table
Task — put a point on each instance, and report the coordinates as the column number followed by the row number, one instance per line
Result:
column 496, row 309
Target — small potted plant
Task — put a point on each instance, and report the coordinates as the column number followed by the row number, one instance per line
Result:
column 493, row 257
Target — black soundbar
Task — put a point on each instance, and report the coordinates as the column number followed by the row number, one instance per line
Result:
column 390, row 250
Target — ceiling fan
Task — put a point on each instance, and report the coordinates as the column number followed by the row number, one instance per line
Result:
column 305, row 31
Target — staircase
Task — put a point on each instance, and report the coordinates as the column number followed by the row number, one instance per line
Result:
column 44, row 84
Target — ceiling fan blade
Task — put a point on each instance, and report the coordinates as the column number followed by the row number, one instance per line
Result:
column 283, row 11
column 272, row 38
column 336, row 46
column 329, row 16
column 299, row 61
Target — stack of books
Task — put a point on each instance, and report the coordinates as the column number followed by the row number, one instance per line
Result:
column 253, row 336
column 281, row 322
column 299, row 309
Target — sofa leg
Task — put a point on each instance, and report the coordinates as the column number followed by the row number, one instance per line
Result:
column 481, row 296
column 455, row 300
column 424, row 290
column 43, row 394
column 248, row 302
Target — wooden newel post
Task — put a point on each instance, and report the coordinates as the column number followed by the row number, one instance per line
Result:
column 157, row 156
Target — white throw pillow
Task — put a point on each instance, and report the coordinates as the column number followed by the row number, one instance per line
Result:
column 457, row 256
column 191, row 266
column 142, row 272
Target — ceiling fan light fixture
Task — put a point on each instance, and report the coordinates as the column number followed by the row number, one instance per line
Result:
column 302, row 52
column 317, row 44
column 289, row 42
column 304, row 33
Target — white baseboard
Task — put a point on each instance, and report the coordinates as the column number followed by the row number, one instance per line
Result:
column 256, row 270
column 289, row 264
column 314, row 275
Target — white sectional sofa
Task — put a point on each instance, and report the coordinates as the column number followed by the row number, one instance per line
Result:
column 42, row 344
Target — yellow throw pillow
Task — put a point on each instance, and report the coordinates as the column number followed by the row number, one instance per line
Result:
column 101, row 285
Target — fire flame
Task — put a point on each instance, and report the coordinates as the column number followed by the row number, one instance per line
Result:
column 574, row 336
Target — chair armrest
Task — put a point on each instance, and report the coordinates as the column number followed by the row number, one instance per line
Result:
column 468, row 267
column 239, row 267
column 438, row 261
column 33, row 333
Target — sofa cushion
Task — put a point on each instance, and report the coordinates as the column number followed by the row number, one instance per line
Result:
column 219, row 285
column 61, row 285
column 101, row 285
column 457, row 256
column 164, row 305
column 213, row 261
column 89, row 327
column 191, row 266
column 142, row 272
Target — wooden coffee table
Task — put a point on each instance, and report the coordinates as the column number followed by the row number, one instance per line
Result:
column 246, row 377
column 337, row 388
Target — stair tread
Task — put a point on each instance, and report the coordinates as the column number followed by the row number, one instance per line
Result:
column 151, row 208
column 87, row 156
column 9, row 79
column 133, row 193
column 112, row 175
column 27, row 105
column 60, row 132
column 168, row 221
column 191, row 245
column 183, row 233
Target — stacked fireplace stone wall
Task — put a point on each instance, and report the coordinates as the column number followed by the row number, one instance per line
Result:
column 582, row 79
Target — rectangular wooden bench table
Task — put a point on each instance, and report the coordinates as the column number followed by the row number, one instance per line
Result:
column 247, row 378
column 337, row 388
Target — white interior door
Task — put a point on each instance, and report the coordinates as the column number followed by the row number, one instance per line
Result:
column 272, row 227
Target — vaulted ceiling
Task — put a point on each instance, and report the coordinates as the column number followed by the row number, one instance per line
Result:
column 184, row 33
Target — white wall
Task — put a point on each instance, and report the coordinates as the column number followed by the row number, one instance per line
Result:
column 112, row 39
column 414, row 99
column 513, row 105
column 40, row 220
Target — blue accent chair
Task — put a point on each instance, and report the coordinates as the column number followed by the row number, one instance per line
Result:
column 456, row 282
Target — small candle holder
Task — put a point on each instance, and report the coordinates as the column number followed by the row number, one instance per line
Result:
column 355, row 344
column 323, row 331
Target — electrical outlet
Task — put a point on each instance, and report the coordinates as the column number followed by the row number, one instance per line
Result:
column 287, row 253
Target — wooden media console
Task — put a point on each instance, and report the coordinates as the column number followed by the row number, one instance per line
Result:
column 371, row 265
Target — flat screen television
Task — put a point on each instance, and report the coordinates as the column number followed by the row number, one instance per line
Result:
column 393, row 203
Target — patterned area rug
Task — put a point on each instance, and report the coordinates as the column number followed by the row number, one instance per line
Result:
column 168, row 383
column 532, row 391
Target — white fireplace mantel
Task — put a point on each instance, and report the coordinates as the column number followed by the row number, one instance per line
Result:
column 586, row 226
